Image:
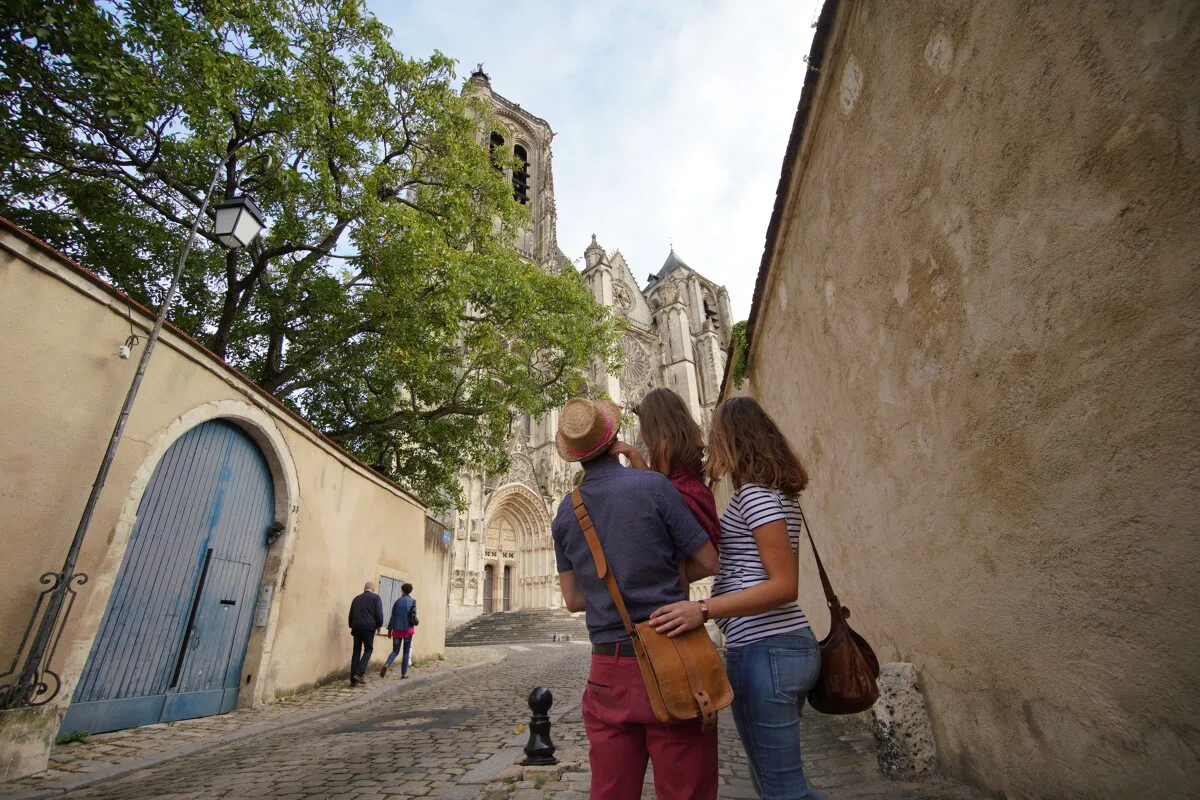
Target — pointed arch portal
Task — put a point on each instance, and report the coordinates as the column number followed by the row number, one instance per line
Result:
column 518, row 548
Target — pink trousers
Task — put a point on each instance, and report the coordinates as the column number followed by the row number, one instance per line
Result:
column 623, row 733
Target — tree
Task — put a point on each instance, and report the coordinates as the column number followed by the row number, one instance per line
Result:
column 385, row 303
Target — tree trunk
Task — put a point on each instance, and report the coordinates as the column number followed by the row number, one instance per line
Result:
column 220, row 339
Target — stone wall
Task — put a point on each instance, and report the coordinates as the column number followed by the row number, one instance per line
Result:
column 61, row 388
column 978, row 324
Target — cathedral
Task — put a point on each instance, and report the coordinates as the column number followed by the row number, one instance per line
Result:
column 677, row 336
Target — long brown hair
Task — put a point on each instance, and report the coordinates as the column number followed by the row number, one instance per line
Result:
column 747, row 445
column 673, row 439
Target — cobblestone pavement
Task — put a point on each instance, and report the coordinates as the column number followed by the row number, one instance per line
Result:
column 106, row 750
column 453, row 738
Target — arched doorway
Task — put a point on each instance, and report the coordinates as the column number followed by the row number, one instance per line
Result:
column 175, row 629
column 517, row 546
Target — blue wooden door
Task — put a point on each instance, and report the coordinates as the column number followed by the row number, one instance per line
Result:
column 174, row 635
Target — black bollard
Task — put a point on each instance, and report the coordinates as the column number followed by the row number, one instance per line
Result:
column 539, row 751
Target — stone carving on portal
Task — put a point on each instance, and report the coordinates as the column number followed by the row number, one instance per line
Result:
column 622, row 299
column 634, row 378
column 520, row 464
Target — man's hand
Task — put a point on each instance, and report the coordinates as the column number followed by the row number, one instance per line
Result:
column 677, row 618
column 620, row 448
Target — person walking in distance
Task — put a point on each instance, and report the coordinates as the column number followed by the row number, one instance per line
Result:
column 771, row 654
column 401, row 626
column 645, row 529
column 366, row 617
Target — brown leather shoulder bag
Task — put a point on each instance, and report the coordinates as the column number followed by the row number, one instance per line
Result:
column 684, row 675
column 849, row 666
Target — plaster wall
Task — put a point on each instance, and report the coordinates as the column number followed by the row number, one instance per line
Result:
column 980, row 329
column 61, row 388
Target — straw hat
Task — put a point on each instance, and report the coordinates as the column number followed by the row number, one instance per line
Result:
column 586, row 427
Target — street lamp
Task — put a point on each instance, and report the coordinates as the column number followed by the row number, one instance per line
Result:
column 238, row 221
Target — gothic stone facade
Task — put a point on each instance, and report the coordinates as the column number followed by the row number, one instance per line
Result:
column 677, row 336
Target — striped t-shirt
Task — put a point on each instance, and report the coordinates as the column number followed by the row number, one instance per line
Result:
column 753, row 506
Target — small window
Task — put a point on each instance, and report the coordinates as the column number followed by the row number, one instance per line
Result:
column 520, row 178
column 497, row 141
column 389, row 592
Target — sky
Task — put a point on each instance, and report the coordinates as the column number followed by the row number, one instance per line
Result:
column 671, row 117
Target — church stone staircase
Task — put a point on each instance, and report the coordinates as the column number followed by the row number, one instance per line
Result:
column 517, row 627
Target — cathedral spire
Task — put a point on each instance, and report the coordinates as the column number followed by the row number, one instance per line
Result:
column 594, row 253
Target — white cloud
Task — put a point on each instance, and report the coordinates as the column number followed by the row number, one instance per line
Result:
column 671, row 118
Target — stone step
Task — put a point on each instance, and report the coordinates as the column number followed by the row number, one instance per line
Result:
column 514, row 627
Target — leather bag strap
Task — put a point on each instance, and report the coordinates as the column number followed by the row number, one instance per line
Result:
column 830, row 597
column 589, row 533
column 708, row 714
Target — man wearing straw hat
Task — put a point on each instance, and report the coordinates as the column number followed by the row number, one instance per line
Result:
column 646, row 529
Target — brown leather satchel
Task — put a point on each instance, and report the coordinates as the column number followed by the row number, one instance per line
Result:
column 684, row 676
column 848, row 664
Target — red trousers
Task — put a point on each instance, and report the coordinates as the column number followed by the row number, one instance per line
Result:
column 622, row 733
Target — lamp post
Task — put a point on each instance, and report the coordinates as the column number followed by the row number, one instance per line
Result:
column 238, row 222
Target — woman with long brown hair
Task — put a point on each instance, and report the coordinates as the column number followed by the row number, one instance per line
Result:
column 675, row 445
column 772, row 656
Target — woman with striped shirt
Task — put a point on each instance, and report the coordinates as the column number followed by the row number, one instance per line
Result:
column 772, row 656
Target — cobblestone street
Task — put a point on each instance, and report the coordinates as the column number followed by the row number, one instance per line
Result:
column 451, row 737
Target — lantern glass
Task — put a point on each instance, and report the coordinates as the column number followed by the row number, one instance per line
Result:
column 247, row 228
column 226, row 221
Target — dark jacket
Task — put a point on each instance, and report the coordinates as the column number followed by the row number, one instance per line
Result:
column 366, row 612
column 402, row 613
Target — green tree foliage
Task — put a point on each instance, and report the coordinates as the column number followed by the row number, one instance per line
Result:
column 385, row 302
column 737, row 348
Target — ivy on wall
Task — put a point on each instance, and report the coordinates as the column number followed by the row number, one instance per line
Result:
column 737, row 351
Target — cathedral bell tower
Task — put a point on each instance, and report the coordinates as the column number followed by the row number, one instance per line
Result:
column 528, row 137
column 502, row 556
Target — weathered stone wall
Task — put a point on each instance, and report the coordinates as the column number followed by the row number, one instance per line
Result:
column 61, row 388
column 980, row 329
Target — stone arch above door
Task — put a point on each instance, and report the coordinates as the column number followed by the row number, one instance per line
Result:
column 262, row 428
column 517, row 534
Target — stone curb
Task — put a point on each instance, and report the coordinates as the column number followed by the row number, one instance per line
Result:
column 120, row 770
column 477, row 779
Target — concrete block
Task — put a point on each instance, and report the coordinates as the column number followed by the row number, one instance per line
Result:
column 26, row 735
column 552, row 773
column 510, row 774
column 900, row 722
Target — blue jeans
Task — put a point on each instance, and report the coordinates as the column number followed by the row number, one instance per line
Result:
column 396, row 643
column 771, row 678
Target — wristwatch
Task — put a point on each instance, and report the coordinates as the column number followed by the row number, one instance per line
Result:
column 703, row 609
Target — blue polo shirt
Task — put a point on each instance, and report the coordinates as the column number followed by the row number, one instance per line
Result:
column 645, row 528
